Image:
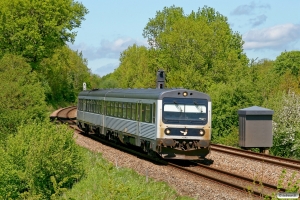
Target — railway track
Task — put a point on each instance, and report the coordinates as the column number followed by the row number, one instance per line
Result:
column 237, row 182
column 283, row 162
column 65, row 115
column 240, row 183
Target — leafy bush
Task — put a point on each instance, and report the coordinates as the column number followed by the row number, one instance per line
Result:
column 40, row 161
column 286, row 126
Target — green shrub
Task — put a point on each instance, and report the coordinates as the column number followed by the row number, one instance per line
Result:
column 41, row 160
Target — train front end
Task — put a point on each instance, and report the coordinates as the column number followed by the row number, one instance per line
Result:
column 184, row 125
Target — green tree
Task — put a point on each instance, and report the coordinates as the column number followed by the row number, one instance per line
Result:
column 135, row 69
column 34, row 28
column 22, row 96
column 108, row 81
column 287, row 66
column 199, row 49
column 64, row 73
column 288, row 62
column 227, row 100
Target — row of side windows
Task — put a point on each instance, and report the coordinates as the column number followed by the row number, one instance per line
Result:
column 126, row 110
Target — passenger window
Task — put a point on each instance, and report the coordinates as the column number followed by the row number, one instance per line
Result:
column 107, row 108
column 124, row 110
column 143, row 113
column 115, row 109
column 133, row 108
column 100, row 106
column 120, row 109
column 148, row 113
column 128, row 110
column 87, row 106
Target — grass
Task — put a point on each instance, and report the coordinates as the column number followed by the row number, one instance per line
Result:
column 105, row 181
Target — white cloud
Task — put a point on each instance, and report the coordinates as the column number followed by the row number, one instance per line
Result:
column 106, row 48
column 276, row 37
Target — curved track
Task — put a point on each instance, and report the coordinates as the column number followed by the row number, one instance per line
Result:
column 244, row 184
column 65, row 115
column 284, row 162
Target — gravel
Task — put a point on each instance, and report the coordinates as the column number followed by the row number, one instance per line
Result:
column 256, row 170
column 182, row 182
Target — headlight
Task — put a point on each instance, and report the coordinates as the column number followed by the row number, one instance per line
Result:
column 184, row 94
column 201, row 132
column 167, row 131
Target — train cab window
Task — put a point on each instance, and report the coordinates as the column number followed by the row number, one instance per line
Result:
column 133, row 109
column 128, row 110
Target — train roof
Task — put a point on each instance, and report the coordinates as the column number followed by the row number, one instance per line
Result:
column 143, row 93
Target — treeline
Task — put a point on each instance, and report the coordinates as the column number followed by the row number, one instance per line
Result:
column 199, row 51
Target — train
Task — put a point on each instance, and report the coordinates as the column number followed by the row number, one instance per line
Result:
column 172, row 123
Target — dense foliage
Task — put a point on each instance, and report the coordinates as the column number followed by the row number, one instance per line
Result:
column 40, row 161
column 63, row 73
column 22, row 96
column 195, row 50
column 34, row 28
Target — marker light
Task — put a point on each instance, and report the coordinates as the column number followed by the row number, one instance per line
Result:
column 201, row 132
column 167, row 131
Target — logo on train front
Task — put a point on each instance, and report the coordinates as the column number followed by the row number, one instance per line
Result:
column 184, row 132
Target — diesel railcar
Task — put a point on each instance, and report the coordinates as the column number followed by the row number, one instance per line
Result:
column 174, row 123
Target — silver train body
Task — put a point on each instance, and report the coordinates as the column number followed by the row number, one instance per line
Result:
column 174, row 123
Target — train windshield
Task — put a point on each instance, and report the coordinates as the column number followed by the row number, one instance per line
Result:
column 188, row 111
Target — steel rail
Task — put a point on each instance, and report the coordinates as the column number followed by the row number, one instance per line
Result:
column 257, row 156
column 218, row 180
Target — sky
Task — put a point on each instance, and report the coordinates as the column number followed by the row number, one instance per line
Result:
column 268, row 27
